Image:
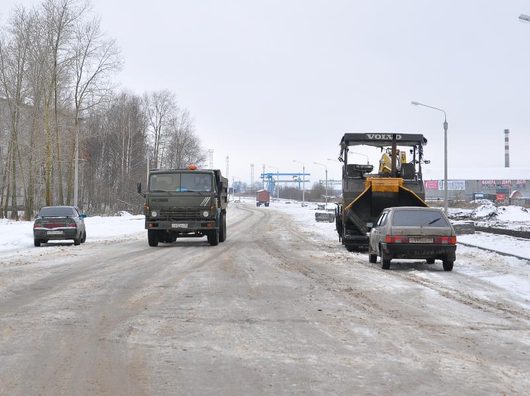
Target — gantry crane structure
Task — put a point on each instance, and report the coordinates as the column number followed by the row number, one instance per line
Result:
column 273, row 178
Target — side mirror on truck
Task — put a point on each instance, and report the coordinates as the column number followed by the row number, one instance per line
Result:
column 139, row 189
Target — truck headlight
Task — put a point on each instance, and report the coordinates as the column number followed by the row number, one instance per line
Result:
column 206, row 213
column 154, row 213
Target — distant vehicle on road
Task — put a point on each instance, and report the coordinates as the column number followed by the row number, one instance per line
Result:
column 59, row 223
column 263, row 197
column 412, row 233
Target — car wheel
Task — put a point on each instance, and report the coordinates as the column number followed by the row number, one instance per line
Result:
column 213, row 237
column 222, row 229
column 77, row 241
column 372, row 257
column 430, row 261
column 36, row 242
column 448, row 265
column 152, row 238
column 83, row 240
column 385, row 261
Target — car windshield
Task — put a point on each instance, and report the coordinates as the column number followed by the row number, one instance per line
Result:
column 180, row 182
column 431, row 218
column 57, row 212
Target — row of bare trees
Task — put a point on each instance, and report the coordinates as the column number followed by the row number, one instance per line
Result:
column 58, row 104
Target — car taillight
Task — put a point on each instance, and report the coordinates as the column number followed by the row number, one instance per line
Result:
column 396, row 239
column 71, row 223
column 445, row 240
column 37, row 225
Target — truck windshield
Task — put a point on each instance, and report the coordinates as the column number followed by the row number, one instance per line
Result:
column 180, row 182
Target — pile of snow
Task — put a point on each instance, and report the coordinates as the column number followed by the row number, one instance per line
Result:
column 484, row 211
column 482, row 202
column 124, row 213
column 513, row 213
column 512, row 217
column 19, row 234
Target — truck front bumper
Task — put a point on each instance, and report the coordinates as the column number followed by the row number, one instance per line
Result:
column 181, row 225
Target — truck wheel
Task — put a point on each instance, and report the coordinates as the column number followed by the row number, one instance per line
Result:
column 213, row 237
column 222, row 228
column 152, row 238
column 338, row 226
column 372, row 258
column 266, row 204
column 448, row 265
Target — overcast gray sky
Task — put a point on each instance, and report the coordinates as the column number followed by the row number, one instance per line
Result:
column 269, row 82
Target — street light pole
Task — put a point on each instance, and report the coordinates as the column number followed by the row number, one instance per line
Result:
column 446, row 126
column 326, row 168
column 303, row 181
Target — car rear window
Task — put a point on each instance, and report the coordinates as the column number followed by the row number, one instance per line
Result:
column 430, row 218
column 57, row 212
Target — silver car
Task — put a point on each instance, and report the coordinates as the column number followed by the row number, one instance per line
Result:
column 412, row 233
column 59, row 223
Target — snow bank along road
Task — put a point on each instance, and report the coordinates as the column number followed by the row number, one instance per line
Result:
column 270, row 311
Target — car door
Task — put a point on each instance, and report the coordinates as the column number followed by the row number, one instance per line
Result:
column 377, row 231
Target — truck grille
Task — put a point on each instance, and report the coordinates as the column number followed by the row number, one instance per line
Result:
column 180, row 214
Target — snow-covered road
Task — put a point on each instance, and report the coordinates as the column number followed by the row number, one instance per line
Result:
column 279, row 308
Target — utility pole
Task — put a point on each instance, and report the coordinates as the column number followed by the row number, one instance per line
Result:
column 76, row 160
column 326, row 168
column 251, row 178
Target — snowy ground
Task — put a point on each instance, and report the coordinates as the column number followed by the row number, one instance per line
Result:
column 16, row 238
column 279, row 308
column 486, row 215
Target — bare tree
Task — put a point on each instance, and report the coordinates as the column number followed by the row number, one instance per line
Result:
column 55, row 69
column 94, row 59
column 115, row 154
column 13, row 64
column 59, row 20
column 183, row 146
column 159, row 107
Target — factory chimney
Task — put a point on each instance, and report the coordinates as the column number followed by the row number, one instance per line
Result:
column 506, row 148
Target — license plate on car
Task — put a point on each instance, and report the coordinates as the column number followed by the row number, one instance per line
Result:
column 179, row 225
column 55, row 233
column 420, row 240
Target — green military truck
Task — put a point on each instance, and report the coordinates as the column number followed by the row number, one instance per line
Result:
column 185, row 203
